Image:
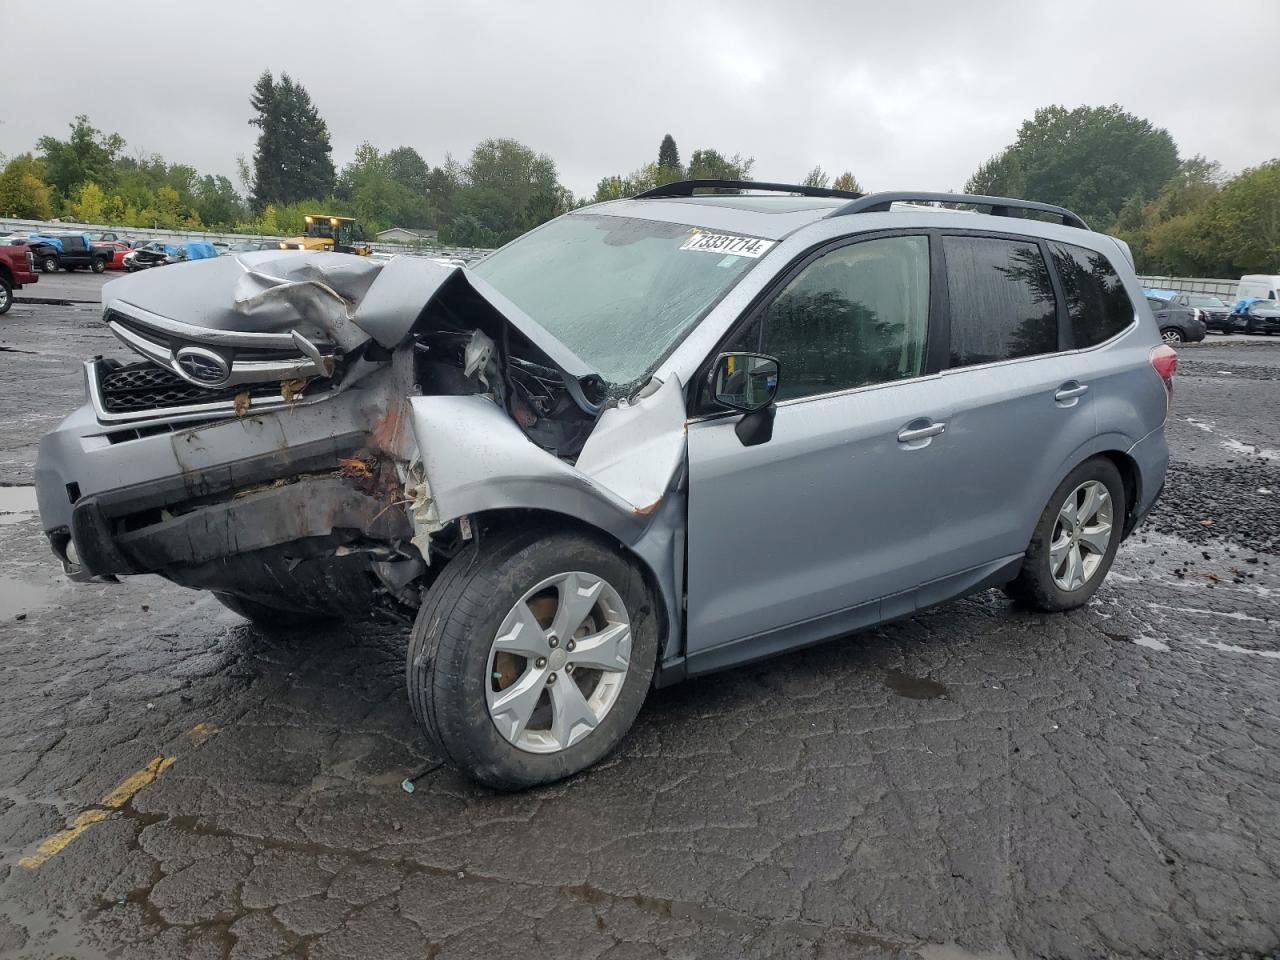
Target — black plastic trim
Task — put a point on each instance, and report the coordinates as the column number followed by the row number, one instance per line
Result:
column 999, row 206
column 686, row 188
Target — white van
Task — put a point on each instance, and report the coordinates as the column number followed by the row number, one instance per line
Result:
column 1258, row 285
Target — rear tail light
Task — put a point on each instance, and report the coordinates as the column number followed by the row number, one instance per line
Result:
column 1164, row 360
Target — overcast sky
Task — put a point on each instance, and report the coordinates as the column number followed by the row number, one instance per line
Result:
column 905, row 93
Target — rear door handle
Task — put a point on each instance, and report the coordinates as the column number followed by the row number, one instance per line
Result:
column 912, row 434
column 1070, row 391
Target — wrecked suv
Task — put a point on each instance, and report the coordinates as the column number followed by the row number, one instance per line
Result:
column 650, row 439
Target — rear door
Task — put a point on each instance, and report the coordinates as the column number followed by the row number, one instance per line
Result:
column 798, row 537
column 1021, row 401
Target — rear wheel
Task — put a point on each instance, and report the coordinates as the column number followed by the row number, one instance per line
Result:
column 1075, row 540
column 531, row 656
column 1171, row 335
column 6, row 295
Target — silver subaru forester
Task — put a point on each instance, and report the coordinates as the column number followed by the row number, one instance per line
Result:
column 650, row 439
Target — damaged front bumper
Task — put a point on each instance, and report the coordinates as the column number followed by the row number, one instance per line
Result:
column 198, row 503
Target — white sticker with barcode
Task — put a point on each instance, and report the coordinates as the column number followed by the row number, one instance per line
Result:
column 724, row 243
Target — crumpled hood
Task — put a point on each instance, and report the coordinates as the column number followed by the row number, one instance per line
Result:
column 328, row 296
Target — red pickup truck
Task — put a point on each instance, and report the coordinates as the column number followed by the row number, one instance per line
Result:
column 17, row 267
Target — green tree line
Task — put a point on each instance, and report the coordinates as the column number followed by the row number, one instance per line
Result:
column 1180, row 215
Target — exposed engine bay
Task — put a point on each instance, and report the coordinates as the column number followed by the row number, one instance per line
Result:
column 318, row 433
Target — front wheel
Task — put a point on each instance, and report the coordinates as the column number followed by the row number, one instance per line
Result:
column 1075, row 540
column 99, row 265
column 6, row 296
column 531, row 656
column 1171, row 335
column 49, row 265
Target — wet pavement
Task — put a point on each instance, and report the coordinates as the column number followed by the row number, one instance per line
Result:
column 75, row 286
column 976, row 781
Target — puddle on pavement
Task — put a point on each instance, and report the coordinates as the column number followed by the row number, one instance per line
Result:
column 17, row 504
column 913, row 688
column 17, row 597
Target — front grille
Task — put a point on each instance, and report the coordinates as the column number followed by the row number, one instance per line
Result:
column 145, row 386
column 252, row 357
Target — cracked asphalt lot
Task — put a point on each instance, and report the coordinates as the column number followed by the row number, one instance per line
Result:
column 977, row 781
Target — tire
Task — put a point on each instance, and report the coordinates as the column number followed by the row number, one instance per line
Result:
column 99, row 265
column 49, row 265
column 266, row 617
column 1171, row 335
column 1035, row 585
column 6, row 296
column 452, row 670
column 1251, row 326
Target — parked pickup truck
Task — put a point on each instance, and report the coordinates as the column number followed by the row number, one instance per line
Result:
column 68, row 251
column 17, row 267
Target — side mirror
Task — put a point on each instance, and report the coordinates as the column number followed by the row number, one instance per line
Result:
column 744, row 381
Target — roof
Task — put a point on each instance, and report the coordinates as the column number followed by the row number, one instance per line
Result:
column 771, row 217
column 776, row 215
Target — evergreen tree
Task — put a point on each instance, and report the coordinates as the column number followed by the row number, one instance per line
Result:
column 292, row 161
column 668, row 155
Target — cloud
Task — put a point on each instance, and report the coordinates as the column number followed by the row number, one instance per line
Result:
column 906, row 94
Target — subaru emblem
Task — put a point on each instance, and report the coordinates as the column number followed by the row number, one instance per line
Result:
column 202, row 367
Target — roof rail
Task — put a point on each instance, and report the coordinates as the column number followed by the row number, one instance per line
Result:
column 1000, row 206
column 685, row 188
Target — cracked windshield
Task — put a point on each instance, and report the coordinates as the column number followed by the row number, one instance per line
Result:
column 616, row 291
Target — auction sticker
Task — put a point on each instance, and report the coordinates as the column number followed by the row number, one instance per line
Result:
column 723, row 243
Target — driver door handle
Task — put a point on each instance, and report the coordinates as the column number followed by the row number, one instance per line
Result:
column 912, row 434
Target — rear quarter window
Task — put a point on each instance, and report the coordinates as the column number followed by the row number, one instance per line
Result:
column 1097, row 305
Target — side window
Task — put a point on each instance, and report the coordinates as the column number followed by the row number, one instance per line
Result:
column 1001, row 300
column 856, row 316
column 1097, row 304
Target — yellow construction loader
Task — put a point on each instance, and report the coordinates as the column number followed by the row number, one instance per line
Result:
column 335, row 234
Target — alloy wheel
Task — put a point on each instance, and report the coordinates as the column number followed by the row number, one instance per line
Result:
column 1081, row 535
column 1171, row 336
column 558, row 662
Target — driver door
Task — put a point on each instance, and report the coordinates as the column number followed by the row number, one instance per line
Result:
column 797, row 537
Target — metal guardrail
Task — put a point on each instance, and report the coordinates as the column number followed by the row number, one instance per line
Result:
column 1216, row 287
column 468, row 254
column 1226, row 289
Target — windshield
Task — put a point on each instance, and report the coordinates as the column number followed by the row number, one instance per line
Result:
column 321, row 228
column 1197, row 301
column 618, row 292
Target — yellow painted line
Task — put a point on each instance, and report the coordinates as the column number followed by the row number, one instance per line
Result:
column 109, row 804
column 202, row 732
column 122, row 794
